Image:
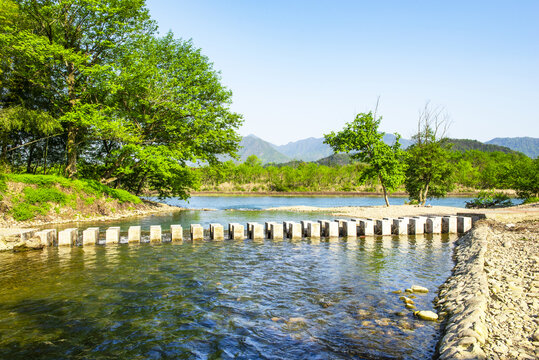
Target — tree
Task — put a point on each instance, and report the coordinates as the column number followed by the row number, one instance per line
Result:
column 134, row 109
column 173, row 110
column 363, row 139
column 524, row 177
column 68, row 55
column 429, row 172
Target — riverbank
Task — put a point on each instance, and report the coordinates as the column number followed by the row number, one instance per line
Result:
column 491, row 300
column 143, row 209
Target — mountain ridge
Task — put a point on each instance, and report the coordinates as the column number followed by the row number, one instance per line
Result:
column 314, row 149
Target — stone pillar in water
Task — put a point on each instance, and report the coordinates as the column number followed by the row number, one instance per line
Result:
column 236, row 231
column 47, row 237
column 464, row 223
column 313, row 230
column 217, row 232
column 341, row 225
column 366, row 227
column 257, row 231
column 267, row 227
column 90, row 236
column 349, row 229
column 433, row 225
column 295, row 231
column 67, row 237
column 304, row 227
column 276, row 231
column 112, row 235
column 176, row 233
column 323, row 227
column 400, row 226
column 333, row 229
column 197, row 232
column 155, row 234
column 383, row 227
column 449, row 224
column 416, row 225
column 133, row 234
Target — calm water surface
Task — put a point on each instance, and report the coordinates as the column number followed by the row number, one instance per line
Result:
column 230, row 299
column 264, row 202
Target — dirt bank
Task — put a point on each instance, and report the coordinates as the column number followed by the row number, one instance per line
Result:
column 143, row 209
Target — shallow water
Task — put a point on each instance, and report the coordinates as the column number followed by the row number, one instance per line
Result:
column 217, row 300
column 264, row 202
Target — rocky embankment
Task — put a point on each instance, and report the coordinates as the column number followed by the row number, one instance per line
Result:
column 491, row 301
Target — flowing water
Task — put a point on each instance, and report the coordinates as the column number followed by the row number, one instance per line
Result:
column 232, row 299
column 220, row 300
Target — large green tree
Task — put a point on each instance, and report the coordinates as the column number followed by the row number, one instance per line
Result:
column 129, row 108
column 429, row 173
column 173, row 110
column 362, row 138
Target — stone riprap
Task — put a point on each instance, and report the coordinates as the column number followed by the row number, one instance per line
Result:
column 491, row 301
column 463, row 300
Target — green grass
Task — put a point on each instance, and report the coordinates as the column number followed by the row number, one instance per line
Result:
column 51, row 189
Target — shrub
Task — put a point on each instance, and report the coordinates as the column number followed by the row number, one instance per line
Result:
column 489, row 199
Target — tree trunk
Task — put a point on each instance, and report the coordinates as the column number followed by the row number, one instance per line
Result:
column 385, row 191
column 71, row 146
column 71, row 149
column 424, row 195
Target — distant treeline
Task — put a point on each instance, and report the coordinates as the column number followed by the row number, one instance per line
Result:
column 473, row 170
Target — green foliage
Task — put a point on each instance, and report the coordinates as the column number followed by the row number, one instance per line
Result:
column 122, row 196
column 462, row 145
column 365, row 141
column 524, row 177
column 89, row 81
column 43, row 195
column 531, row 200
column 489, row 199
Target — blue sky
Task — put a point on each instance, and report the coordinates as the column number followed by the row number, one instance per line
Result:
column 303, row 68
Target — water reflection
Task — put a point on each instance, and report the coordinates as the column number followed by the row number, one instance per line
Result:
column 247, row 299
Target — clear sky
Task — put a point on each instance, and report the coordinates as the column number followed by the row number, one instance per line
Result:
column 303, row 68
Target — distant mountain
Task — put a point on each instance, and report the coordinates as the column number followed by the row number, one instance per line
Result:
column 253, row 145
column 467, row 144
column 526, row 145
column 310, row 149
column 390, row 140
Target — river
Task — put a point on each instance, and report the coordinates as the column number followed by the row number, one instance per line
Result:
column 266, row 299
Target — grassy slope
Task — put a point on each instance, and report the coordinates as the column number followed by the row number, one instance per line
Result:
column 46, row 197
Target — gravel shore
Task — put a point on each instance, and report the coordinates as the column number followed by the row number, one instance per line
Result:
column 491, row 301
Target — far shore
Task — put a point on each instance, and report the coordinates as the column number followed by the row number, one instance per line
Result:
column 513, row 213
column 317, row 193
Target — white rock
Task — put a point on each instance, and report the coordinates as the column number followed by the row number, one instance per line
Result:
column 426, row 315
column 419, row 289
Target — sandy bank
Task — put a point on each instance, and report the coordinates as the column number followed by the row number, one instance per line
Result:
column 515, row 213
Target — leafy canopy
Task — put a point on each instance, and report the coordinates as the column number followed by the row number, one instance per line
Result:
column 363, row 139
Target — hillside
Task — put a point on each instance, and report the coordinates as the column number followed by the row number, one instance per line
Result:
column 310, row 149
column 253, row 145
column 526, row 145
column 34, row 199
column 468, row 144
